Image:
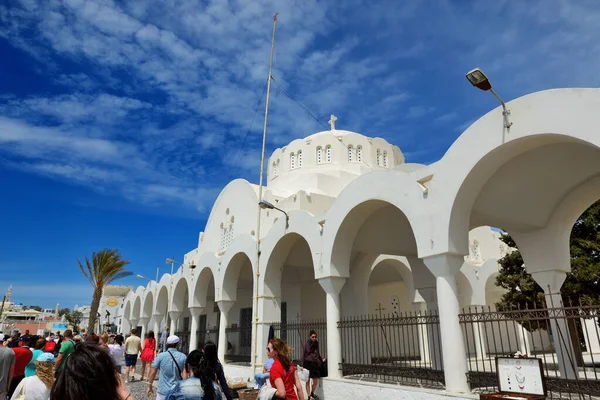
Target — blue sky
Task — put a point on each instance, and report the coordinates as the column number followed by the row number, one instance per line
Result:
column 120, row 122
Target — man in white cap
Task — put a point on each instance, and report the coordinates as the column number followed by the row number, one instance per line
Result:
column 171, row 367
column 7, row 367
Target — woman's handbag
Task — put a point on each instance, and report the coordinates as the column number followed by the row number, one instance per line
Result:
column 323, row 369
column 21, row 395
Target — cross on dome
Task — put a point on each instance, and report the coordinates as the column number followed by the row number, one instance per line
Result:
column 332, row 122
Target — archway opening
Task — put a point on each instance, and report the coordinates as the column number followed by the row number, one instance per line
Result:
column 208, row 314
column 180, row 305
column 238, row 286
column 533, row 188
column 298, row 304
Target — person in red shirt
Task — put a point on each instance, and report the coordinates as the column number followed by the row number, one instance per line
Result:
column 22, row 357
column 283, row 374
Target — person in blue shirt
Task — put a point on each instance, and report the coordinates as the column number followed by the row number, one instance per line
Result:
column 170, row 366
column 261, row 377
column 200, row 385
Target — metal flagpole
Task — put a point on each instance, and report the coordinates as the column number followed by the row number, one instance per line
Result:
column 260, row 193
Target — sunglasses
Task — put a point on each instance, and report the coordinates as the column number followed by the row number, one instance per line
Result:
column 269, row 350
column 313, row 337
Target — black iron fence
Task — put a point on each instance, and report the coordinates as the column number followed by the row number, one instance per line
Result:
column 184, row 341
column 208, row 335
column 296, row 334
column 239, row 344
column 403, row 348
column 566, row 339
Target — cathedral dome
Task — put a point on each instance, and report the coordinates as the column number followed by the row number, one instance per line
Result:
column 325, row 160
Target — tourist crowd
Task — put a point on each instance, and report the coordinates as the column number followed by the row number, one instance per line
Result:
column 75, row 366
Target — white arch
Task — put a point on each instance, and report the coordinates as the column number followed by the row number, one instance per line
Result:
column 540, row 119
column 148, row 301
column 207, row 269
column 365, row 195
column 243, row 248
column 181, row 284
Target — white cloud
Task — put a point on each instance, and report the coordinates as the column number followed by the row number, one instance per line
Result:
column 167, row 90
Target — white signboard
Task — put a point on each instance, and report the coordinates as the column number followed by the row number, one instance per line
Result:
column 520, row 375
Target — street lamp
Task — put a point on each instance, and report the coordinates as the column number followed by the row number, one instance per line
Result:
column 263, row 204
column 171, row 261
column 480, row 80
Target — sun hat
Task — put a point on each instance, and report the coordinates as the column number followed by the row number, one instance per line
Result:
column 173, row 339
column 45, row 357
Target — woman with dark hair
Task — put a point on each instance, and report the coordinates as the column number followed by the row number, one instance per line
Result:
column 312, row 361
column 89, row 373
column 38, row 350
column 200, row 385
column 283, row 374
column 210, row 351
column 149, row 353
column 117, row 351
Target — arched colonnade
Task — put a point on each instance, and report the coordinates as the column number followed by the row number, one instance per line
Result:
column 532, row 180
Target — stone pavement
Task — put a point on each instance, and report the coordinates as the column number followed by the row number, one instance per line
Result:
column 138, row 388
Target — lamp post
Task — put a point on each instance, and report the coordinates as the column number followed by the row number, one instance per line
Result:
column 263, row 204
column 480, row 80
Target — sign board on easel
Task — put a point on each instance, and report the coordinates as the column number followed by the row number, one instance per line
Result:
column 520, row 377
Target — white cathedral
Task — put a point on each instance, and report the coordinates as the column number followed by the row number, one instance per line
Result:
column 348, row 228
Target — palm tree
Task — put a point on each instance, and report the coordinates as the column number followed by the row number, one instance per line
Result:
column 106, row 266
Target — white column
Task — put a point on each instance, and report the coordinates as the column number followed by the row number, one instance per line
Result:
column 332, row 287
column 195, row 313
column 524, row 346
column 125, row 326
column 547, row 256
column 134, row 323
column 269, row 311
column 224, row 307
column 174, row 315
column 420, row 308
column 144, row 323
column 591, row 335
column 479, row 336
column 434, row 347
column 445, row 267
column 157, row 319
column 551, row 282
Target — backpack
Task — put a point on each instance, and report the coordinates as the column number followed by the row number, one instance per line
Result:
column 50, row 346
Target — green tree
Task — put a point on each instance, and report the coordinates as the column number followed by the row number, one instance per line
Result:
column 74, row 319
column 63, row 311
column 36, row 308
column 105, row 267
column 582, row 284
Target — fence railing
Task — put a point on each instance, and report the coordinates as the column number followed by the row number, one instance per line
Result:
column 297, row 333
column 239, row 347
column 206, row 335
column 184, row 341
column 567, row 339
column 403, row 348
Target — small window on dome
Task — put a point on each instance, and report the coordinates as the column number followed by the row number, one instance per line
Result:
column 319, row 155
column 359, row 153
column 350, row 153
column 328, row 153
column 277, row 167
column 385, row 163
column 292, row 160
column 275, row 170
column 378, row 158
column 299, row 159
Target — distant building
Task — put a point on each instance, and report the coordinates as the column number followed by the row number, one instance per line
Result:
column 111, row 307
column 85, row 310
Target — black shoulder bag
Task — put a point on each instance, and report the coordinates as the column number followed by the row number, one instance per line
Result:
column 177, row 365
